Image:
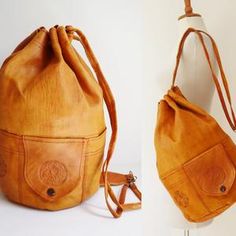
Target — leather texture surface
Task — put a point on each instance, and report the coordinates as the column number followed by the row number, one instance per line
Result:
column 71, row 167
column 52, row 125
column 196, row 159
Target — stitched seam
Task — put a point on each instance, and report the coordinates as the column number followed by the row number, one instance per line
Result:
column 64, row 139
column 8, row 150
column 93, row 137
column 94, row 152
column 44, row 141
column 27, row 180
column 195, row 189
column 227, row 157
column 199, row 195
column 84, row 183
column 81, row 167
column 25, row 162
column 10, row 134
column 19, row 161
column 168, row 173
column 32, row 185
column 211, row 213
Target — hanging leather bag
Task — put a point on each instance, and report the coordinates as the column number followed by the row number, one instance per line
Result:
column 52, row 125
column 196, row 159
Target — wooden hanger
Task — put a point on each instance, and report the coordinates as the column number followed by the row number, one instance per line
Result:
column 188, row 10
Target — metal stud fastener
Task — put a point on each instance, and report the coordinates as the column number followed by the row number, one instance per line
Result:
column 51, row 192
column 222, row 188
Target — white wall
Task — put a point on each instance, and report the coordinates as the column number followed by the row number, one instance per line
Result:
column 160, row 44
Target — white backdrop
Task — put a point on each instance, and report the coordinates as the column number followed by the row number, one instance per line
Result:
column 114, row 29
column 160, row 43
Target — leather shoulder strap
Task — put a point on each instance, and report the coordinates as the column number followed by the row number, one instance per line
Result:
column 108, row 178
column 230, row 118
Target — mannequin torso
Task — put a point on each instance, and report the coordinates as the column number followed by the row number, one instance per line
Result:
column 194, row 75
column 195, row 81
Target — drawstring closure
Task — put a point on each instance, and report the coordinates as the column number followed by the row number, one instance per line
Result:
column 111, row 107
column 70, row 30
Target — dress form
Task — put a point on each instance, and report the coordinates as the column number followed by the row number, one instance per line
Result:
column 195, row 81
column 194, row 75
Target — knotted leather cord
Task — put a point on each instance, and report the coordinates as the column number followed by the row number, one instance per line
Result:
column 188, row 10
column 231, row 119
column 188, row 7
column 128, row 180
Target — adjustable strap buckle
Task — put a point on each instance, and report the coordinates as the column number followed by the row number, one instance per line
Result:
column 131, row 178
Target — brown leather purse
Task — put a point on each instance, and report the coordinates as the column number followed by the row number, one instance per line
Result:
column 195, row 158
column 52, row 126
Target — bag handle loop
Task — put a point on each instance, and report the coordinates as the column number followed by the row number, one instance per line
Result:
column 188, row 7
column 109, row 178
column 188, row 10
column 231, row 119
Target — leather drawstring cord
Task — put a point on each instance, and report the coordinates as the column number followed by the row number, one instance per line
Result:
column 108, row 178
column 231, row 119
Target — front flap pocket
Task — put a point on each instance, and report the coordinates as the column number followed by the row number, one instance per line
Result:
column 53, row 166
column 212, row 172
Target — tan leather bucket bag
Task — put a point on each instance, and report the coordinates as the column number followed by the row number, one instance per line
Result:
column 196, row 159
column 52, row 125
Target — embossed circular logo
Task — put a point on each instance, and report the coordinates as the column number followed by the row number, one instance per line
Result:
column 53, row 173
column 181, row 199
column 3, row 168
